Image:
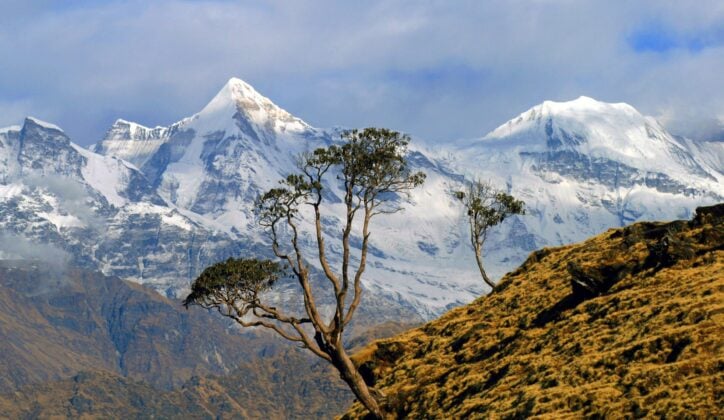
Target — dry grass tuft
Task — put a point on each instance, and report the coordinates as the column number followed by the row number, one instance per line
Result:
column 647, row 341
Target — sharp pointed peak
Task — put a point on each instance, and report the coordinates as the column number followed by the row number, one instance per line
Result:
column 237, row 96
column 238, row 90
column 234, row 92
column 237, row 82
column 41, row 123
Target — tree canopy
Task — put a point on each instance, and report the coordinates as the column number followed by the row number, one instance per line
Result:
column 486, row 207
column 371, row 167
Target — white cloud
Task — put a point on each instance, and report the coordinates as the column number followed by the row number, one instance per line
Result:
column 437, row 69
column 15, row 247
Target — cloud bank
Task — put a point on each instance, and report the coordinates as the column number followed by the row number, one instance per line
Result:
column 437, row 69
column 15, row 247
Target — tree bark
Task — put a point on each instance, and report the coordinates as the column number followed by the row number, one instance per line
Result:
column 351, row 376
column 479, row 260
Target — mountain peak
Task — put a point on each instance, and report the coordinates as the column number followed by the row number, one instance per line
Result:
column 614, row 132
column 583, row 112
column 238, row 97
column 239, row 94
column 240, row 88
column 41, row 123
column 122, row 122
column 10, row 128
column 134, row 129
column 584, row 101
column 582, row 104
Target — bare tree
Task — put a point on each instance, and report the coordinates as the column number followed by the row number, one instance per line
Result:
column 486, row 207
column 371, row 167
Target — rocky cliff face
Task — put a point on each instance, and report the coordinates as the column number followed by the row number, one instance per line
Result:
column 99, row 210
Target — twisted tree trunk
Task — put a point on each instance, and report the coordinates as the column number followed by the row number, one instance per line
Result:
column 351, row 376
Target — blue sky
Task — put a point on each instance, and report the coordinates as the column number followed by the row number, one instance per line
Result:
column 439, row 70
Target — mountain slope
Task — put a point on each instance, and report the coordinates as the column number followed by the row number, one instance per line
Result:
column 216, row 162
column 581, row 166
column 57, row 321
column 283, row 386
column 99, row 210
column 75, row 342
column 99, row 395
column 185, row 200
column 584, row 166
column 219, row 157
column 628, row 323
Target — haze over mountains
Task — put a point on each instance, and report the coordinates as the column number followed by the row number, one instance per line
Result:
column 157, row 205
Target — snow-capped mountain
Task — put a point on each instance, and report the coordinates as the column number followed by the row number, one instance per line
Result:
column 581, row 166
column 99, row 210
column 584, row 166
column 216, row 162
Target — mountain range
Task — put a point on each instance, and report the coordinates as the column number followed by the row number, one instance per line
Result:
column 157, row 205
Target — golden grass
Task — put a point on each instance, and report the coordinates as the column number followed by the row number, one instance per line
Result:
column 651, row 345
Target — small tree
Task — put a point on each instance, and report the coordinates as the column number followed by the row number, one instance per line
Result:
column 486, row 207
column 371, row 167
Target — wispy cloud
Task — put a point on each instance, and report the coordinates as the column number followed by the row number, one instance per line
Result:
column 16, row 247
column 436, row 69
column 72, row 198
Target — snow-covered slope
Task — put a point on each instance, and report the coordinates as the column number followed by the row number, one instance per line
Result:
column 132, row 142
column 707, row 153
column 216, row 162
column 581, row 166
column 99, row 210
column 604, row 131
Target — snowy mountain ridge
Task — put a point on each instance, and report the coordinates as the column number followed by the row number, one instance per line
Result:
column 99, row 210
column 616, row 132
column 581, row 167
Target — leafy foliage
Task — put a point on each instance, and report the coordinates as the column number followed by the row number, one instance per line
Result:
column 234, row 280
column 486, row 207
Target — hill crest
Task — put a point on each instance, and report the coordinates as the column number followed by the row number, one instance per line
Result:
column 646, row 338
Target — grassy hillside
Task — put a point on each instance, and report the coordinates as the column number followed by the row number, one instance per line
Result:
column 628, row 323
